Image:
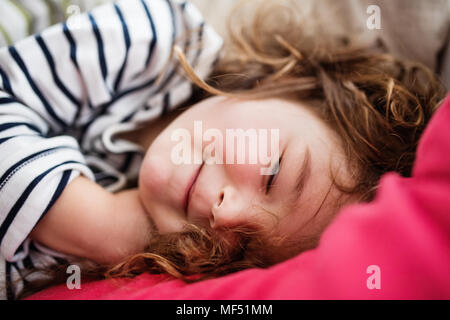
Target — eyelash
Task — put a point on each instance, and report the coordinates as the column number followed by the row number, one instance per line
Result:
column 272, row 177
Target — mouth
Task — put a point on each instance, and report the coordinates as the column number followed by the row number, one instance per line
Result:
column 190, row 188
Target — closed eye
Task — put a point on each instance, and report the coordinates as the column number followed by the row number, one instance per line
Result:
column 272, row 176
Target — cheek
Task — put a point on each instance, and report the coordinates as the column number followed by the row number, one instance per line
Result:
column 154, row 173
column 244, row 175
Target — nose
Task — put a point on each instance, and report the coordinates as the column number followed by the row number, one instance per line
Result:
column 230, row 208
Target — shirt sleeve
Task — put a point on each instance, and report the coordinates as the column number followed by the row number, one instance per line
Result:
column 21, row 18
column 74, row 74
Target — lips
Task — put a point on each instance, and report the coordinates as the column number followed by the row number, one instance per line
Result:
column 190, row 188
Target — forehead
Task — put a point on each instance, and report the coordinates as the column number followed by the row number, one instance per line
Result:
column 269, row 109
column 291, row 118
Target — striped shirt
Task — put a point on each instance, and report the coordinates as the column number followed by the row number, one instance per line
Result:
column 68, row 90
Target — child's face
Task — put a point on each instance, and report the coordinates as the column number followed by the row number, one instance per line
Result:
column 301, row 195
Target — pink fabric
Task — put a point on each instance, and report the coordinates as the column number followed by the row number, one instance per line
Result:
column 405, row 231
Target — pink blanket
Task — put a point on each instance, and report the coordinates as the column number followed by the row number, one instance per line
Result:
column 397, row 247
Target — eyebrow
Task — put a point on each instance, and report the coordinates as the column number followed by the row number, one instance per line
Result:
column 302, row 177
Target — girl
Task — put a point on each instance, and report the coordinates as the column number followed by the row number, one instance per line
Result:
column 85, row 174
